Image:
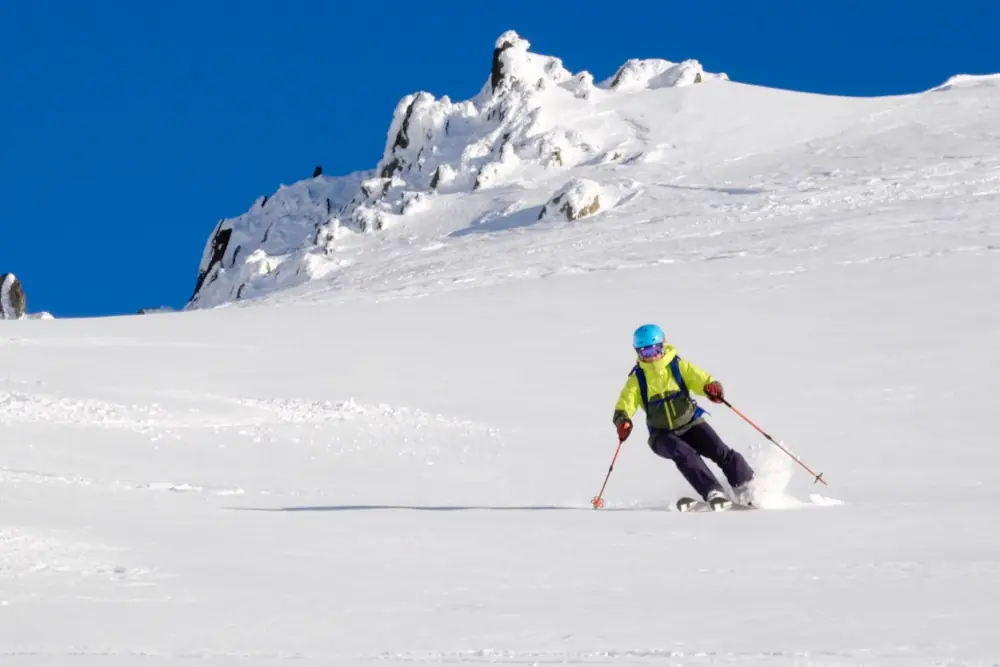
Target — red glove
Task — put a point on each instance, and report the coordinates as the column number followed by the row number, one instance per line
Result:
column 713, row 390
column 624, row 428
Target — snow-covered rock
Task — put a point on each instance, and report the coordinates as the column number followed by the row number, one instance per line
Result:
column 436, row 144
column 580, row 198
column 530, row 120
column 13, row 302
column 969, row 81
column 656, row 73
column 514, row 65
column 273, row 244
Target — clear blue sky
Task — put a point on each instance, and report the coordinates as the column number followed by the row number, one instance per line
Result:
column 130, row 128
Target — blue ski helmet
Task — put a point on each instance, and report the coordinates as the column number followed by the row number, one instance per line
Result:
column 646, row 335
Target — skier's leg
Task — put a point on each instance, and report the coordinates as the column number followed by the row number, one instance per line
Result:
column 703, row 439
column 688, row 462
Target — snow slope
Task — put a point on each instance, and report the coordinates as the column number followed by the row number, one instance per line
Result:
column 392, row 464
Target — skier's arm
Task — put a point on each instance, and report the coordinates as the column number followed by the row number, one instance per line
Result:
column 628, row 401
column 694, row 377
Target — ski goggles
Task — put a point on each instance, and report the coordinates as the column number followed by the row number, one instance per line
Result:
column 650, row 351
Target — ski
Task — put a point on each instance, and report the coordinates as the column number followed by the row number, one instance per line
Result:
column 687, row 504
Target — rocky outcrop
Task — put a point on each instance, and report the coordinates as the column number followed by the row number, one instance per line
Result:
column 218, row 245
column 580, row 198
column 400, row 143
column 276, row 242
column 13, row 303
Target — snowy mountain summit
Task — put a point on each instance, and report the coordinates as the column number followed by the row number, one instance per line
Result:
column 531, row 120
column 546, row 172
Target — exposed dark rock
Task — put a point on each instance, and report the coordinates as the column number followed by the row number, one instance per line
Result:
column 402, row 141
column 618, row 77
column 497, row 73
column 564, row 205
column 389, row 169
column 13, row 303
column 219, row 244
column 584, row 211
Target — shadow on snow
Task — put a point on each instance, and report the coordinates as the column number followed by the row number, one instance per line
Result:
column 491, row 222
column 446, row 508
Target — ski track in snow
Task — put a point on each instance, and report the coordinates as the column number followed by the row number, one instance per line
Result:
column 339, row 428
column 903, row 657
column 154, row 419
column 32, row 558
column 8, row 476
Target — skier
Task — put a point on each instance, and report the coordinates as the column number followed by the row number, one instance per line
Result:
column 660, row 382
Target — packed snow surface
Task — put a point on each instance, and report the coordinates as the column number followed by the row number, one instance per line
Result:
column 391, row 462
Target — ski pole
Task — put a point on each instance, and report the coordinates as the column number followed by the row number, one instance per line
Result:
column 816, row 478
column 598, row 501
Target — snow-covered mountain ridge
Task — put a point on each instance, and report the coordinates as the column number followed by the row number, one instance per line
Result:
column 540, row 148
column 514, row 130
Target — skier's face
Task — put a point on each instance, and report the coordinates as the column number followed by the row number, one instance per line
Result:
column 650, row 352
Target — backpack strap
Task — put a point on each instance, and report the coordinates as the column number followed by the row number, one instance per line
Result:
column 675, row 368
column 640, row 377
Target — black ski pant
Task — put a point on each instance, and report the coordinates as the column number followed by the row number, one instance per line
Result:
column 687, row 449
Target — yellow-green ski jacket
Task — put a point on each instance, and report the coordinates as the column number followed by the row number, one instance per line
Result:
column 670, row 408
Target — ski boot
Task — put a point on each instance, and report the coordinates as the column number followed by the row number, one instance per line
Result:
column 743, row 495
column 718, row 501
